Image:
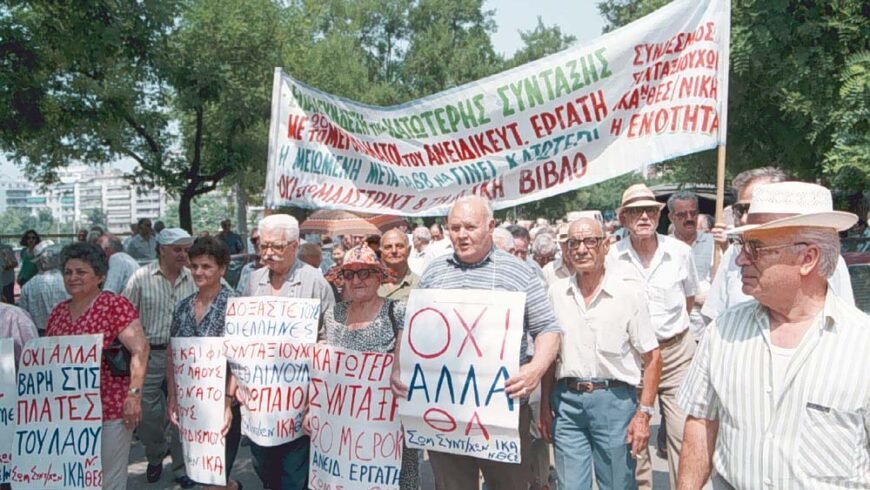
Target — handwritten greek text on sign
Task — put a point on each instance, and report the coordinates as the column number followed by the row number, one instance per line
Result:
column 8, row 394
column 59, row 415
column 269, row 341
column 652, row 90
column 458, row 349
column 200, row 383
column 356, row 440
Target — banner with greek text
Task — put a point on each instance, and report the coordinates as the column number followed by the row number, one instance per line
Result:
column 650, row 91
column 459, row 347
column 268, row 343
column 8, row 395
column 59, row 415
column 356, row 437
column 200, row 372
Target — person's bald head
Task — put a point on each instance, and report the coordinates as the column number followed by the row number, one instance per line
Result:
column 395, row 250
column 587, row 245
column 470, row 224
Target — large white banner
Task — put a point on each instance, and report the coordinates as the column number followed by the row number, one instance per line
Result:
column 200, row 371
column 459, row 347
column 356, row 437
column 650, row 91
column 268, row 343
column 59, row 416
column 8, row 395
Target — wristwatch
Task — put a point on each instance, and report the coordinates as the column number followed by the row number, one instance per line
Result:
column 134, row 391
column 647, row 410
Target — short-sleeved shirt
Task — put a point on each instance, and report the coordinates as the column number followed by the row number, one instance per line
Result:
column 141, row 249
column 606, row 338
column 41, row 294
column 109, row 315
column 669, row 280
column 377, row 336
column 211, row 324
column 302, row 281
column 233, row 242
column 402, row 289
column 155, row 297
column 15, row 324
column 555, row 270
column 812, row 431
column 121, row 269
column 498, row 271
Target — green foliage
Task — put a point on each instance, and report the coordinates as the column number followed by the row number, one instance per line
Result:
column 95, row 216
column 15, row 221
column 208, row 211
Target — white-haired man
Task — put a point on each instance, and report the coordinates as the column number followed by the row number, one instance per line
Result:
column 420, row 239
column 45, row 290
column 778, row 394
column 285, row 466
column 121, row 264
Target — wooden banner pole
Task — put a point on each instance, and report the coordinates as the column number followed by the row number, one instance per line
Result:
column 720, row 199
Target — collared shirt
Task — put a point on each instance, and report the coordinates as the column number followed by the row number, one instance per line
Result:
column 121, row 268
column 142, row 249
column 814, row 435
column 41, row 294
column 402, row 289
column 155, row 297
column 15, row 324
column 702, row 250
column 211, row 324
column 606, row 338
column 302, row 281
column 554, row 271
column 233, row 242
column 417, row 262
column 669, row 280
column 498, row 271
column 727, row 288
column 245, row 276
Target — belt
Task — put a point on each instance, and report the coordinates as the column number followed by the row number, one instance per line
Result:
column 589, row 385
column 158, row 347
column 673, row 340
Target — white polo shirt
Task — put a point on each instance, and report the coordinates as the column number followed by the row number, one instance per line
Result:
column 669, row 280
column 606, row 338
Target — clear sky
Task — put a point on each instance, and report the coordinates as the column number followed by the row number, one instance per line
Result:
column 579, row 18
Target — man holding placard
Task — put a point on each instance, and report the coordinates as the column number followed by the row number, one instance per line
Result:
column 591, row 390
column 474, row 270
column 285, row 466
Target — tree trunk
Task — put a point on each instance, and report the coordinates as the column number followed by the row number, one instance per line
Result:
column 241, row 211
column 185, row 219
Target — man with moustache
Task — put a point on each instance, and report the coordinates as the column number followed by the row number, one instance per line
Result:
column 394, row 254
column 589, row 401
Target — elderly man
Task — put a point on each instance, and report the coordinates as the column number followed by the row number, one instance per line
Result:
column 561, row 267
column 778, row 395
column 726, row 289
column 544, row 249
column 394, row 255
column 594, row 382
column 683, row 211
column 15, row 324
column 143, row 245
column 154, row 290
column 664, row 269
column 231, row 239
column 46, row 289
column 476, row 264
column 311, row 254
column 284, row 467
column 504, row 241
column 121, row 264
column 420, row 238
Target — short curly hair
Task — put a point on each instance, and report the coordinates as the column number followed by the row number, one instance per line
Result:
column 212, row 247
column 86, row 252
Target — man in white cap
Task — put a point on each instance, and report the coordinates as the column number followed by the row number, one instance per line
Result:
column 154, row 290
column 778, row 394
column 664, row 268
column 46, row 289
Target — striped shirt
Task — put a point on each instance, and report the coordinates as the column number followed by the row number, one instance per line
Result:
column 155, row 298
column 498, row 271
column 121, row 268
column 41, row 294
column 811, row 431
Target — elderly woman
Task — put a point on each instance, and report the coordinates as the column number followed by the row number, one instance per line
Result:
column 29, row 240
column 366, row 322
column 202, row 315
column 92, row 311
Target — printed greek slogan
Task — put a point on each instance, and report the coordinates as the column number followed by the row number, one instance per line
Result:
column 650, row 91
column 269, row 341
column 59, row 415
column 8, row 394
column 356, row 437
column 458, row 350
column 200, row 370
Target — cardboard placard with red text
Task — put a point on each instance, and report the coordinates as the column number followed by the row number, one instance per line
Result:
column 8, row 396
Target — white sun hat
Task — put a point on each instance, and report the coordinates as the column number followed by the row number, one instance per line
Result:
column 790, row 204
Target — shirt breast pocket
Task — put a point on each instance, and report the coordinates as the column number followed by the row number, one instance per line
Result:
column 831, row 442
column 612, row 343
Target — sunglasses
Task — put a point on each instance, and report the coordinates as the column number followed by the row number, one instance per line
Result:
column 275, row 247
column 739, row 209
column 362, row 274
column 636, row 212
column 753, row 248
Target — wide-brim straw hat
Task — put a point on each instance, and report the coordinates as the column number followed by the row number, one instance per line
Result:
column 794, row 204
column 639, row 196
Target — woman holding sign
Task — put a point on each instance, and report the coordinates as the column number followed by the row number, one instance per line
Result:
column 202, row 314
column 366, row 322
column 92, row 311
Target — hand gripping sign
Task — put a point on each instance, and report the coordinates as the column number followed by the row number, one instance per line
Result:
column 459, row 347
column 268, row 342
column 200, row 370
column 59, row 415
column 356, row 437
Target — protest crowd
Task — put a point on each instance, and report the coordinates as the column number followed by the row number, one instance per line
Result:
column 754, row 361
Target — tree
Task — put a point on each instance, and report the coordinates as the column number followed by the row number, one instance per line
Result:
column 540, row 42
column 95, row 217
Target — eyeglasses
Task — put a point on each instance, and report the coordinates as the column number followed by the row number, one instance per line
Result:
column 362, row 274
column 753, row 247
column 686, row 214
column 275, row 247
column 636, row 212
column 739, row 209
column 589, row 242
